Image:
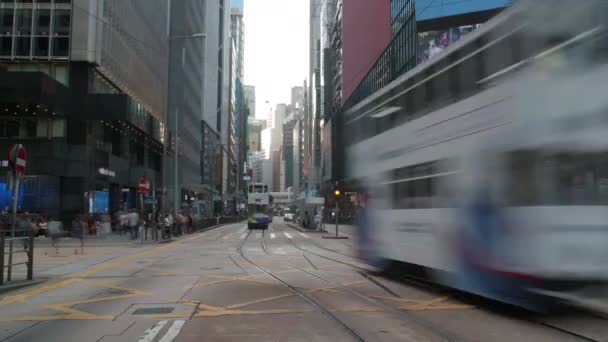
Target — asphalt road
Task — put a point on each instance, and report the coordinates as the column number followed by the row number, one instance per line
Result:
column 229, row 284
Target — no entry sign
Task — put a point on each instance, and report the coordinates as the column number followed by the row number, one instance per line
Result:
column 17, row 157
column 144, row 185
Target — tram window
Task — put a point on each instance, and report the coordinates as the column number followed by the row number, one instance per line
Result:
column 521, row 178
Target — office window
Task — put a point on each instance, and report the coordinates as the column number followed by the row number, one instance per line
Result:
column 61, row 46
column 6, row 44
column 42, row 22
column 58, row 128
column 6, row 21
column 41, row 47
column 23, row 18
column 22, row 46
column 61, row 23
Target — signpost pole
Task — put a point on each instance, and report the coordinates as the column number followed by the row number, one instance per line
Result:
column 337, row 218
column 13, row 228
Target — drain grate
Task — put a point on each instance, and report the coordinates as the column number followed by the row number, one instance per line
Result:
column 152, row 311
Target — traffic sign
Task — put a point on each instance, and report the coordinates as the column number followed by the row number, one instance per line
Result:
column 151, row 201
column 144, row 185
column 17, row 157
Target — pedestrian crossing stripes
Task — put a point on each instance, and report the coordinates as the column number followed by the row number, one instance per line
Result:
column 287, row 235
column 273, row 235
column 303, row 235
column 227, row 236
column 173, row 331
column 151, row 333
column 244, row 235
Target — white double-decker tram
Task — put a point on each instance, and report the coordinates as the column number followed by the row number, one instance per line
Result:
column 488, row 165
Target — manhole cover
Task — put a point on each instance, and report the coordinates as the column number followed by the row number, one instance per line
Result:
column 152, row 311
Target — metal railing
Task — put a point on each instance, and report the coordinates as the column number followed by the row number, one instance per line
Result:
column 9, row 263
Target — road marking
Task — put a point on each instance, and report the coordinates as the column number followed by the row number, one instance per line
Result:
column 303, row 235
column 173, row 331
column 227, row 236
column 244, row 235
column 273, row 235
column 288, row 235
column 151, row 333
column 440, row 303
column 69, row 313
column 25, row 296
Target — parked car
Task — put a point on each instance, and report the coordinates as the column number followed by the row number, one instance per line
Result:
column 288, row 216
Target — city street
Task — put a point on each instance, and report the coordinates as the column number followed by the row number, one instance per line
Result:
column 229, row 284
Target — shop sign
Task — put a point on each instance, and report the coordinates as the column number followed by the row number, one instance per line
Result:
column 106, row 172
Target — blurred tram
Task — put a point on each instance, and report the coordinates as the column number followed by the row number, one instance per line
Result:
column 488, row 165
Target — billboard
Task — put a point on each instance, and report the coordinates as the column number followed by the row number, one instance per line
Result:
column 431, row 9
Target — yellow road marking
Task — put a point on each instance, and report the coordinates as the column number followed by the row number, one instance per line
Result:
column 360, row 309
column 334, row 288
column 227, row 279
column 439, row 303
column 74, row 314
column 25, row 296
column 258, row 301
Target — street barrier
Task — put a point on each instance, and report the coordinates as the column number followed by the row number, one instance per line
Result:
column 27, row 237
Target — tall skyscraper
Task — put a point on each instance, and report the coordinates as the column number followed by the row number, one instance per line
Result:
column 97, row 125
column 185, row 108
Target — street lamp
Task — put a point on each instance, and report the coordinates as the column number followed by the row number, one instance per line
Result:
column 176, row 181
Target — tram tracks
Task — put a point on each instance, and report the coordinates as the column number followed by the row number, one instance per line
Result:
column 430, row 329
column 298, row 292
column 561, row 327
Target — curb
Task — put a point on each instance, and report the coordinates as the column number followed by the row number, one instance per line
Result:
column 304, row 230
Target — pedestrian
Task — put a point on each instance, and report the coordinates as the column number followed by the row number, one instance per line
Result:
column 168, row 225
column 133, row 220
column 124, row 223
column 190, row 223
column 55, row 228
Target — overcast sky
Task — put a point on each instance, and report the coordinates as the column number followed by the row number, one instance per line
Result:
column 276, row 49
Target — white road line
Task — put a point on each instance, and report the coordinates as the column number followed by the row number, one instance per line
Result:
column 227, row 236
column 288, row 235
column 150, row 334
column 273, row 235
column 258, row 235
column 173, row 331
column 244, row 235
column 303, row 235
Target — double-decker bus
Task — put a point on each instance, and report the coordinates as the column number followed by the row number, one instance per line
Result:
column 259, row 206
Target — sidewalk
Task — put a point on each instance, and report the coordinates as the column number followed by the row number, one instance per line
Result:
column 343, row 229
column 70, row 257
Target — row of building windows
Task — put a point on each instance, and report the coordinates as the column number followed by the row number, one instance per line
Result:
column 34, row 32
column 32, row 128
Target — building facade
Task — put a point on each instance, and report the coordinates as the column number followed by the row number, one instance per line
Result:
column 90, row 117
column 185, row 103
column 249, row 95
